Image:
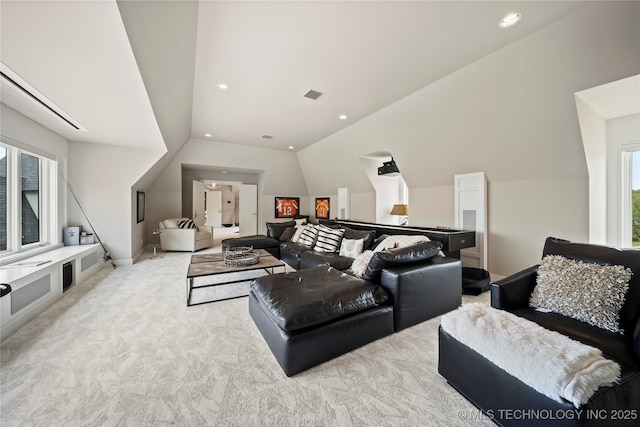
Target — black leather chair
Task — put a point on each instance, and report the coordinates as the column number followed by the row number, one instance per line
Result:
column 502, row 397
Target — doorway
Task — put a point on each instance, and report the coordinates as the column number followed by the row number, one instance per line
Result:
column 228, row 207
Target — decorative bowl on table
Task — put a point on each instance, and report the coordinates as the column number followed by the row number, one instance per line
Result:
column 241, row 256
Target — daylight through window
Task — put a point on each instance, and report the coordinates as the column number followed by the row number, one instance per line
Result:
column 27, row 201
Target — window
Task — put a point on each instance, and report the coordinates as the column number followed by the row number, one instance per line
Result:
column 635, row 198
column 27, row 201
column 3, row 198
column 630, row 194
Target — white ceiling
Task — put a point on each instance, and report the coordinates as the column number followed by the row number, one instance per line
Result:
column 616, row 99
column 77, row 55
column 363, row 55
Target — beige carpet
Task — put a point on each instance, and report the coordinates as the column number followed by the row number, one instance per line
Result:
column 122, row 349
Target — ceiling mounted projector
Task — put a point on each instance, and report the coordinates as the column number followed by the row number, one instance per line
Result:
column 389, row 168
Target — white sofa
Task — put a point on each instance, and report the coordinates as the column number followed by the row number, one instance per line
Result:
column 174, row 238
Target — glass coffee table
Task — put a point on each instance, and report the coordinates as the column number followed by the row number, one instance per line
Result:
column 213, row 265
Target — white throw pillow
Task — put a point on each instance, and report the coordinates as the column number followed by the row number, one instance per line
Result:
column 361, row 263
column 351, row 247
column 400, row 241
column 172, row 222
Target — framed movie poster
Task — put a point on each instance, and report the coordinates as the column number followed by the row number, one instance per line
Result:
column 322, row 207
column 140, row 206
column 287, row 207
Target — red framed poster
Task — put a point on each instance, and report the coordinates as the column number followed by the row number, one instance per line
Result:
column 322, row 207
column 287, row 207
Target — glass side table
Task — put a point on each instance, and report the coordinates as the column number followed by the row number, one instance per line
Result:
column 156, row 242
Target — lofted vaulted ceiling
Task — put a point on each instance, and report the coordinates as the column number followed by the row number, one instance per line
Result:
column 84, row 57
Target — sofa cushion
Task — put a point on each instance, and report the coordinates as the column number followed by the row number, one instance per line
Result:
column 275, row 229
column 351, row 247
column 308, row 236
column 186, row 223
column 367, row 236
column 311, row 259
column 292, row 248
column 400, row 241
column 314, row 296
column 256, row 241
column 400, row 256
column 297, row 234
column 612, row 344
column 171, row 222
column 587, row 292
column 328, row 239
column 606, row 255
column 287, row 234
column 378, row 240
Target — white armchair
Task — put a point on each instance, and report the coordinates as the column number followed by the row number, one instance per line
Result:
column 175, row 238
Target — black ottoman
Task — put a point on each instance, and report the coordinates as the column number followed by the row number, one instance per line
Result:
column 314, row 315
column 257, row 241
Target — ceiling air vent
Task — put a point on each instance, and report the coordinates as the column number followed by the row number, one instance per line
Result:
column 313, row 94
column 267, row 136
column 15, row 81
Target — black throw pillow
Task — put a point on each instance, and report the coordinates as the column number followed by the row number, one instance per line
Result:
column 275, row 229
column 287, row 234
column 367, row 236
column 400, row 256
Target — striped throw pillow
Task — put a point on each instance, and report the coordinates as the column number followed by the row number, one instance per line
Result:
column 308, row 236
column 186, row 223
column 328, row 239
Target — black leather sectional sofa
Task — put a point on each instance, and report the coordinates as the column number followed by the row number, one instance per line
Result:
column 320, row 312
column 501, row 395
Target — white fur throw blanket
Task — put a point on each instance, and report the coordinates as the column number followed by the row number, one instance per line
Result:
column 545, row 360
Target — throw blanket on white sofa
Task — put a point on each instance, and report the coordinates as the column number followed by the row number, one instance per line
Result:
column 545, row 360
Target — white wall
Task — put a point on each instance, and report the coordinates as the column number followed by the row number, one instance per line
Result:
column 102, row 177
column 594, row 137
column 511, row 114
column 17, row 128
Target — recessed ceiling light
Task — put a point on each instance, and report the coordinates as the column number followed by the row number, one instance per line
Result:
column 342, row 117
column 291, row 147
column 208, row 135
column 510, row 20
column 223, row 86
column 224, row 171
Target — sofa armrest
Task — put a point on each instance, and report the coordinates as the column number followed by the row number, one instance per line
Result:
column 422, row 291
column 513, row 291
column 206, row 228
column 178, row 239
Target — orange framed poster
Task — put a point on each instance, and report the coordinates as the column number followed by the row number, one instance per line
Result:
column 287, row 207
column 322, row 207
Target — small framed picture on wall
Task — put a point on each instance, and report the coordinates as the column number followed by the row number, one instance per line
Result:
column 140, row 215
column 287, row 207
column 322, row 207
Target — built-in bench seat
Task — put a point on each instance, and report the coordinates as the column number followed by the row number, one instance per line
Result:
column 37, row 282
